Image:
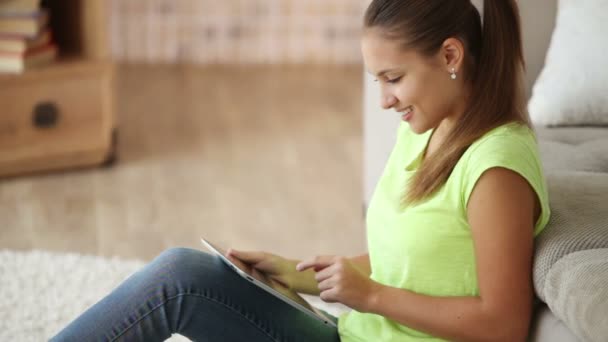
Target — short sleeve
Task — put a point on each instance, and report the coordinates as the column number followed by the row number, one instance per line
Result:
column 513, row 152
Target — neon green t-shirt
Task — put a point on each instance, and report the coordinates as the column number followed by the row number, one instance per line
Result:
column 428, row 248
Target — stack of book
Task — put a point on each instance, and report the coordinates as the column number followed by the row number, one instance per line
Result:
column 25, row 37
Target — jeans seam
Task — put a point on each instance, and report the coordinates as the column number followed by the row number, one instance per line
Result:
column 194, row 295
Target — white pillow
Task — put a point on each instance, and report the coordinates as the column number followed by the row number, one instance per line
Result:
column 572, row 88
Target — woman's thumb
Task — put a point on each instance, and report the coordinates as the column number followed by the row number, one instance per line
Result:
column 248, row 257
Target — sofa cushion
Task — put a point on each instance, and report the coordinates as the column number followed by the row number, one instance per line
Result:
column 574, row 149
column 576, row 290
column 546, row 327
column 579, row 221
column 566, row 276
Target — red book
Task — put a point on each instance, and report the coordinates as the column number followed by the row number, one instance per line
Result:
column 15, row 62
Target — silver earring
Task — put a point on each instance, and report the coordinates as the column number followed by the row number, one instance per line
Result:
column 453, row 73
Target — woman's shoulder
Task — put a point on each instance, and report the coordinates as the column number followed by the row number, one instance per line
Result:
column 509, row 130
column 511, row 146
column 510, row 136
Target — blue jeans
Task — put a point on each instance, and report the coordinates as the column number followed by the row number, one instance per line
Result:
column 196, row 295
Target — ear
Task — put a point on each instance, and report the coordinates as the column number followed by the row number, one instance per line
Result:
column 452, row 54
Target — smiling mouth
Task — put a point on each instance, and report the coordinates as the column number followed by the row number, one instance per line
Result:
column 406, row 114
column 406, row 111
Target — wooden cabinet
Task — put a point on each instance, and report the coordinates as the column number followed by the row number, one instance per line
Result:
column 61, row 116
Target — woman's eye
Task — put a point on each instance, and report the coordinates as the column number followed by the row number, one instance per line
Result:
column 394, row 80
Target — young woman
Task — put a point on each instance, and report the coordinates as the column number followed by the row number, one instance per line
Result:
column 451, row 224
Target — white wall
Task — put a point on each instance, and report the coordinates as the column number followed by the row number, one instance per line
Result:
column 538, row 20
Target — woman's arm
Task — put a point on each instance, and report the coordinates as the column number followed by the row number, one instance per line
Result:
column 501, row 212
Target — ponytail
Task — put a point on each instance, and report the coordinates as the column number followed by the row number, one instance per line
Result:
column 499, row 72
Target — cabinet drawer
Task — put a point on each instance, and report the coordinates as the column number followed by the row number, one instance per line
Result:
column 55, row 122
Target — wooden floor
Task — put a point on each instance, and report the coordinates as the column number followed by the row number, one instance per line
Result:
column 252, row 157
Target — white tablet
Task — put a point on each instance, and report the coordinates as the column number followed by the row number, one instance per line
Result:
column 273, row 287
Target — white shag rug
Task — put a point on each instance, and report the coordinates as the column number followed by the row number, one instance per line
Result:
column 41, row 292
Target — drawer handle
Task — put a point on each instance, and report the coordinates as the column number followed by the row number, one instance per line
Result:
column 46, row 115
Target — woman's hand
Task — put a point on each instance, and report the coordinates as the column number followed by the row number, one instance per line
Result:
column 273, row 266
column 339, row 280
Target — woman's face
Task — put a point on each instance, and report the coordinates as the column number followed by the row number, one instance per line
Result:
column 415, row 84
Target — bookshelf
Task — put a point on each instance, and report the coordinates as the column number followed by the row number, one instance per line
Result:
column 60, row 116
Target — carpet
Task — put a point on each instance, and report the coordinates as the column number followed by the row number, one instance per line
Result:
column 43, row 291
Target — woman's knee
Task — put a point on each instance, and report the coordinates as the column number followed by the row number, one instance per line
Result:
column 175, row 254
column 187, row 265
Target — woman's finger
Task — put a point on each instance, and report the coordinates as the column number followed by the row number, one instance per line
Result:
column 325, row 273
column 319, row 263
column 328, row 296
column 326, row 284
column 248, row 257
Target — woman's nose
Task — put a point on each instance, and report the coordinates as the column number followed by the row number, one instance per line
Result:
column 388, row 101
